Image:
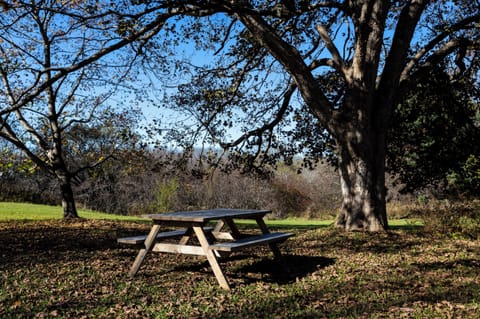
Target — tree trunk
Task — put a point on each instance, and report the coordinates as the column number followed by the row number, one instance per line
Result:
column 362, row 177
column 68, row 201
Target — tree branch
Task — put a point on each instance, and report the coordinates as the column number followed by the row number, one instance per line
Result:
column 268, row 126
column 225, row 38
column 146, row 32
column 7, row 133
column 291, row 60
column 435, row 58
column 404, row 31
column 437, row 40
column 337, row 61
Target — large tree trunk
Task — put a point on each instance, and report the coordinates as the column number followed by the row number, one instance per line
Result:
column 359, row 124
column 363, row 190
column 361, row 153
column 68, row 201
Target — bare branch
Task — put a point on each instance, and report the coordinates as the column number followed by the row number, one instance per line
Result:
column 268, row 126
column 7, row 133
column 435, row 58
column 290, row 58
column 146, row 32
column 92, row 166
column 337, row 61
column 225, row 38
column 437, row 40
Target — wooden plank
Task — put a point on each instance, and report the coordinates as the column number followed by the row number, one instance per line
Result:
column 143, row 252
column 251, row 241
column 212, row 258
column 218, row 226
column 202, row 216
column 186, row 237
column 178, row 249
column 219, row 234
column 222, row 235
column 273, row 245
column 136, row 240
column 262, row 225
column 233, row 228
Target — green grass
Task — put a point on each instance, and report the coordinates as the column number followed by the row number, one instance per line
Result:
column 313, row 223
column 35, row 212
column 31, row 212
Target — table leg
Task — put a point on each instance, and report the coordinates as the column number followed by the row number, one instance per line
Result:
column 262, row 225
column 149, row 242
column 273, row 246
column 218, row 226
column 219, row 234
column 185, row 238
column 233, row 228
column 212, row 259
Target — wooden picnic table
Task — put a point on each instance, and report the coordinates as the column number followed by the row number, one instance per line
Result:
column 212, row 242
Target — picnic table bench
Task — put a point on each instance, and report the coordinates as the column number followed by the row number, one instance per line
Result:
column 213, row 242
column 136, row 240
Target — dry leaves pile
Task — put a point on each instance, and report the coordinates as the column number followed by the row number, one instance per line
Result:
column 77, row 270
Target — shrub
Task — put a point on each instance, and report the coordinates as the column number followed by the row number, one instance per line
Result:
column 311, row 193
column 166, row 194
column 451, row 218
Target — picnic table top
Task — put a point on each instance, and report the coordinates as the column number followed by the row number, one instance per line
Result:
column 208, row 215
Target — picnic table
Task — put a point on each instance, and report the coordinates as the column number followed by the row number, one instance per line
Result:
column 213, row 241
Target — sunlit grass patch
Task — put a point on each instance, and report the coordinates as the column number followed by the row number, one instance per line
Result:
column 36, row 212
column 313, row 223
column 32, row 212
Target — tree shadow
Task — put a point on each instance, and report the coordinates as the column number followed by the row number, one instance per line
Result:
column 43, row 243
column 356, row 242
column 270, row 270
column 434, row 266
column 249, row 268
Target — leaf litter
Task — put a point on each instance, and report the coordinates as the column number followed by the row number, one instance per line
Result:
column 58, row 269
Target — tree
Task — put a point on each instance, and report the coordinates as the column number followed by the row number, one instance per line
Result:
column 265, row 51
column 57, row 73
column 19, row 179
column 433, row 133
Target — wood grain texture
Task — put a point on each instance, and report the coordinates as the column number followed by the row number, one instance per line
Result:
column 202, row 216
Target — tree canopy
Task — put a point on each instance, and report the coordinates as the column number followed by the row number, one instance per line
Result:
column 434, row 132
column 335, row 69
column 60, row 62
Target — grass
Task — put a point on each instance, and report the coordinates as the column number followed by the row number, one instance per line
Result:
column 31, row 212
column 53, row 268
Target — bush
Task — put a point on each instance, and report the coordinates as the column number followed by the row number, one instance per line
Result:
column 317, row 191
column 311, row 194
column 35, row 187
column 147, row 183
column 458, row 219
column 467, row 180
column 224, row 190
column 166, row 195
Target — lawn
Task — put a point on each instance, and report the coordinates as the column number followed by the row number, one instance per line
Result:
column 29, row 212
column 75, row 269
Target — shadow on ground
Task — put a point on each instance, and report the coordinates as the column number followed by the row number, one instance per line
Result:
column 246, row 269
column 299, row 267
